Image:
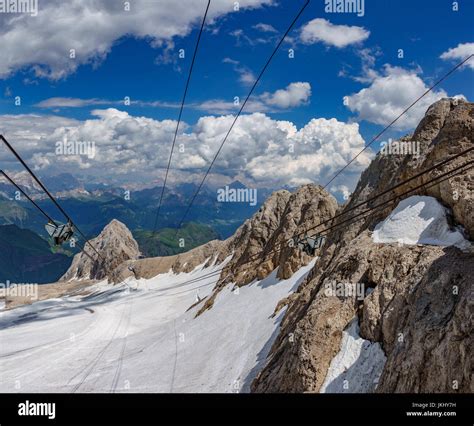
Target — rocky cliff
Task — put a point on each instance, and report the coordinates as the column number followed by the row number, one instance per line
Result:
column 264, row 242
column 115, row 244
column 416, row 298
column 268, row 234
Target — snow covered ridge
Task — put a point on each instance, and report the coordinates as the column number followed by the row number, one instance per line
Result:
column 419, row 220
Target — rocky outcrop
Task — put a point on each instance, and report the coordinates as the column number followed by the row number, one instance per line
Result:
column 416, row 299
column 413, row 307
column 115, row 244
column 425, row 324
column 264, row 242
column 455, row 136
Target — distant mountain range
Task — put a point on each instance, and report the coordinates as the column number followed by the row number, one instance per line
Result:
column 93, row 206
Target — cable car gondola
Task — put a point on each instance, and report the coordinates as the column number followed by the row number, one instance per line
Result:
column 309, row 244
column 60, row 233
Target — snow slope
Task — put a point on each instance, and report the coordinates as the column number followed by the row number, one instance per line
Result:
column 357, row 366
column 139, row 336
column 418, row 220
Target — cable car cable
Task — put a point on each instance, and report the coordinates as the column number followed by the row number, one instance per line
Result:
column 15, row 153
column 238, row 115
column 179, row 118
column 397, row 118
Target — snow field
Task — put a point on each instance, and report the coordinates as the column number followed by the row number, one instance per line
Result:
column 139, row 336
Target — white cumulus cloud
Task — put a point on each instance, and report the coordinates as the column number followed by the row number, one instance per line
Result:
column 312, row 154
column 390, row 94
column 265, row 28
column 91, row 27
column 295, row 94
column 135, row 149
column 322, row 31
column 459, row 53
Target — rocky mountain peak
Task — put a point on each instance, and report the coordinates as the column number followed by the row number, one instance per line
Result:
column 115, row 244
column 435, row 118
column 283, row 215
column 115, row 230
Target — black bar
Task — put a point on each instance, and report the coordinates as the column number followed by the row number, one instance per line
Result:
column 241, row 409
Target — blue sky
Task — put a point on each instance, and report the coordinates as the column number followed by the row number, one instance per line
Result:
column 233, row 49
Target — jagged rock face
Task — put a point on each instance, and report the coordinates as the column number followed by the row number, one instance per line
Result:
column 309, row 206
column 433, row 121
column 450, row 123
column 424, row 328
column 262, row 243
column 252, row 238
column 411, row 311
column 115, row 244
column 425, row 324
column 455, row 136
